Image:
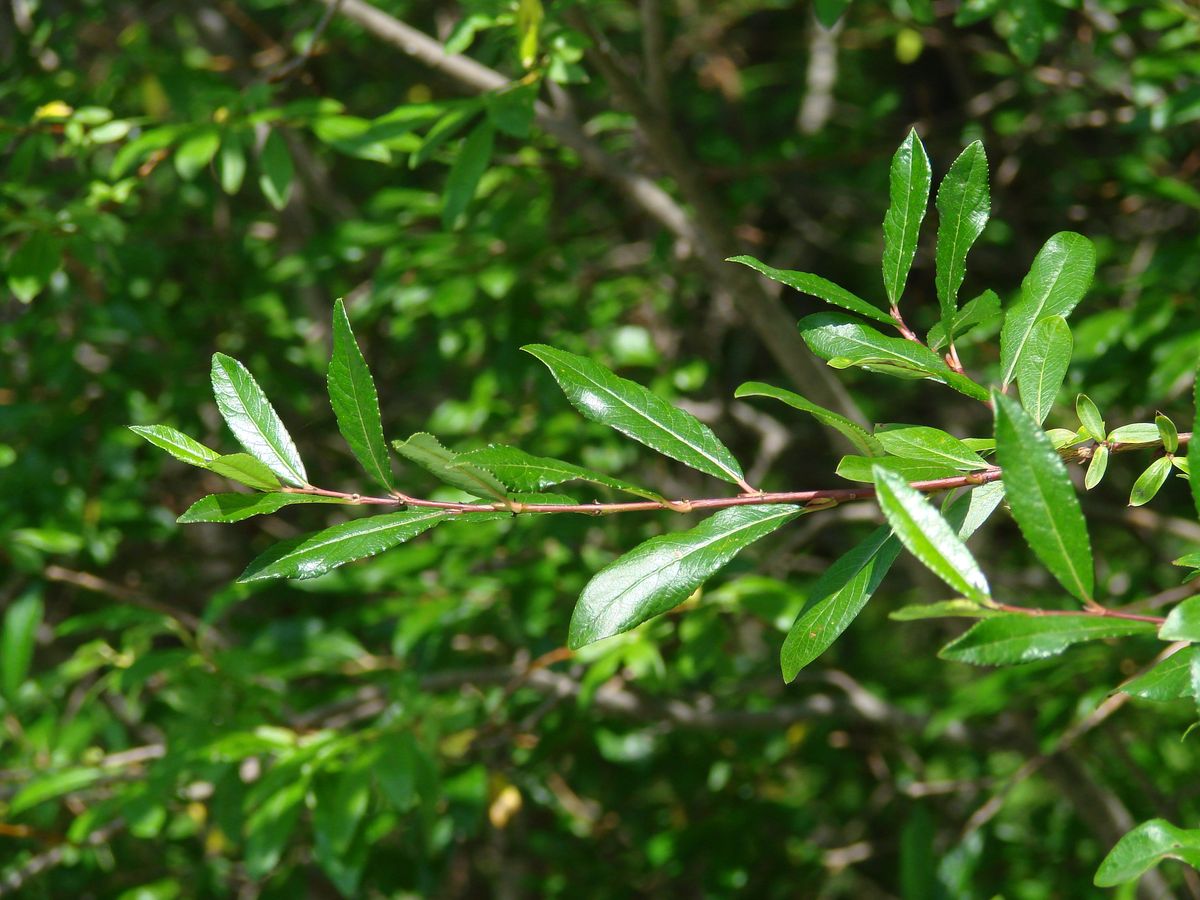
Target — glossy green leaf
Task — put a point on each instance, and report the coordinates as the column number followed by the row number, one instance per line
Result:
column 428, row 453
column 524, row 472
column 315, row 554
column 836, row 598
column 943, row 609
column 1193, row 450
column 909, row 188
column 254, row 421
column 1145, row 847
column 634, row 411
column 1183, row 622
column 231, row 163
column 963, row 204
column 928, row 536
column 196, row 152
column 1167, row 432
column 178, row 444
column 926, row 444
column 1138, row 433
column 855, row 433
column 861, row 468
column 1059, row 277
column 983, row 310
column 664, row 571
column 836, row 337
column 355, row 402
column 1191, row 560
column 1097, row 466
column 276, row 170
column 816, row 286
column 968, row 514
column 21, row 622
column 469, row 166
column 1017, row 638
column 1042, row 498
column 236, row 507
column 1150, row 482
column 1169, row 680
column 1043, row 366
column 1090, row 418
column 244, row 469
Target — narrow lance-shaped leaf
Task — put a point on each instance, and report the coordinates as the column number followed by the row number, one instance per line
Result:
column 855, row 433
column 315, row 554
column 862, row 468
column 1090, row 418
column 236, row 507
column 963, row 203
column 1097, row 466
column 1183, row 622
column 1150, row 482
column 930, row 445
column 983, row 310
column 634, row 411
column 1042, row 498
column 525, row 472
column 254, row 421
column 427, row 451
column 836, row 599
column 816, row 286
column 661, row 573
column 178, row 444
column 1043, row 366
column 1017, row 638
column 355, row 402
column 909, row 187
column 469, row 166
column 1059, row 277
column 21, row 622
column 1169, row 680
column 276, row 170
column 244, row 469
column 928, row 536
column 1145, row 847
column 846, row 341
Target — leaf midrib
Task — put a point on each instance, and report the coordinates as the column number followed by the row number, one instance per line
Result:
column 279, row 449
column 372, row 449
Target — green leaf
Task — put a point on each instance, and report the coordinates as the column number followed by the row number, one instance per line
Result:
column 1193, row 450
column 341, row 803
column 275, row 170
column 983, row 310
column 231, row 163
column 632, row 410
column 254, row 421
column 31, row 265
column 1150, row 481
column 196, row 152
column 21, row 622
column 968, row 513
column 1017, row 638
column 861, row 468
column 963, row 204
column 236, row 507
column 1169, row 680
column 836, row 337
column 355, row 402
column 469, row 166
column 1059, row 277
column 1096, row 467
column 829, row 11
column 45, row 787
column 835, row 600
column 1145, row 847
column 817, row 286
column 943, row 609
column 1167, row 432
column 1190, row 560
column 428, row 453
column 909, row 187
column 1139, row 433
column 443, row 129
column 1042, row 498
column 315, row 554
column 1043, row 366
column 1183, row 622
column 1090, row 419
column 524, row 472
column 933, row 445
column 178, row 444
column 928, row 536
column 270, row 825
column 853, row 432
column 664, row 571
column 244, row 469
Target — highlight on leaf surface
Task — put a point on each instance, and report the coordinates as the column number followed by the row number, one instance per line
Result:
column 1016, row 638
column 355, row 401
column 909, row 182
column 963, row 204
column 254, row 421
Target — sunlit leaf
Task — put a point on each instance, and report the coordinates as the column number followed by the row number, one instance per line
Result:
column 236, row 507
column 355, row 402
column 1145, row 847
column 1017, row 638
column 254, row 421
column 1043, row 365
column 909, row 188
column 816, row 286
column 427, row 452
column 963, row 204
column 855, row 433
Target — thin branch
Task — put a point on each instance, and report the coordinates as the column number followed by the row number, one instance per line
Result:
column 300, row 61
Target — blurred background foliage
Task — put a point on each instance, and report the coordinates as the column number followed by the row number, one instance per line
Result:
column 180, row 179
